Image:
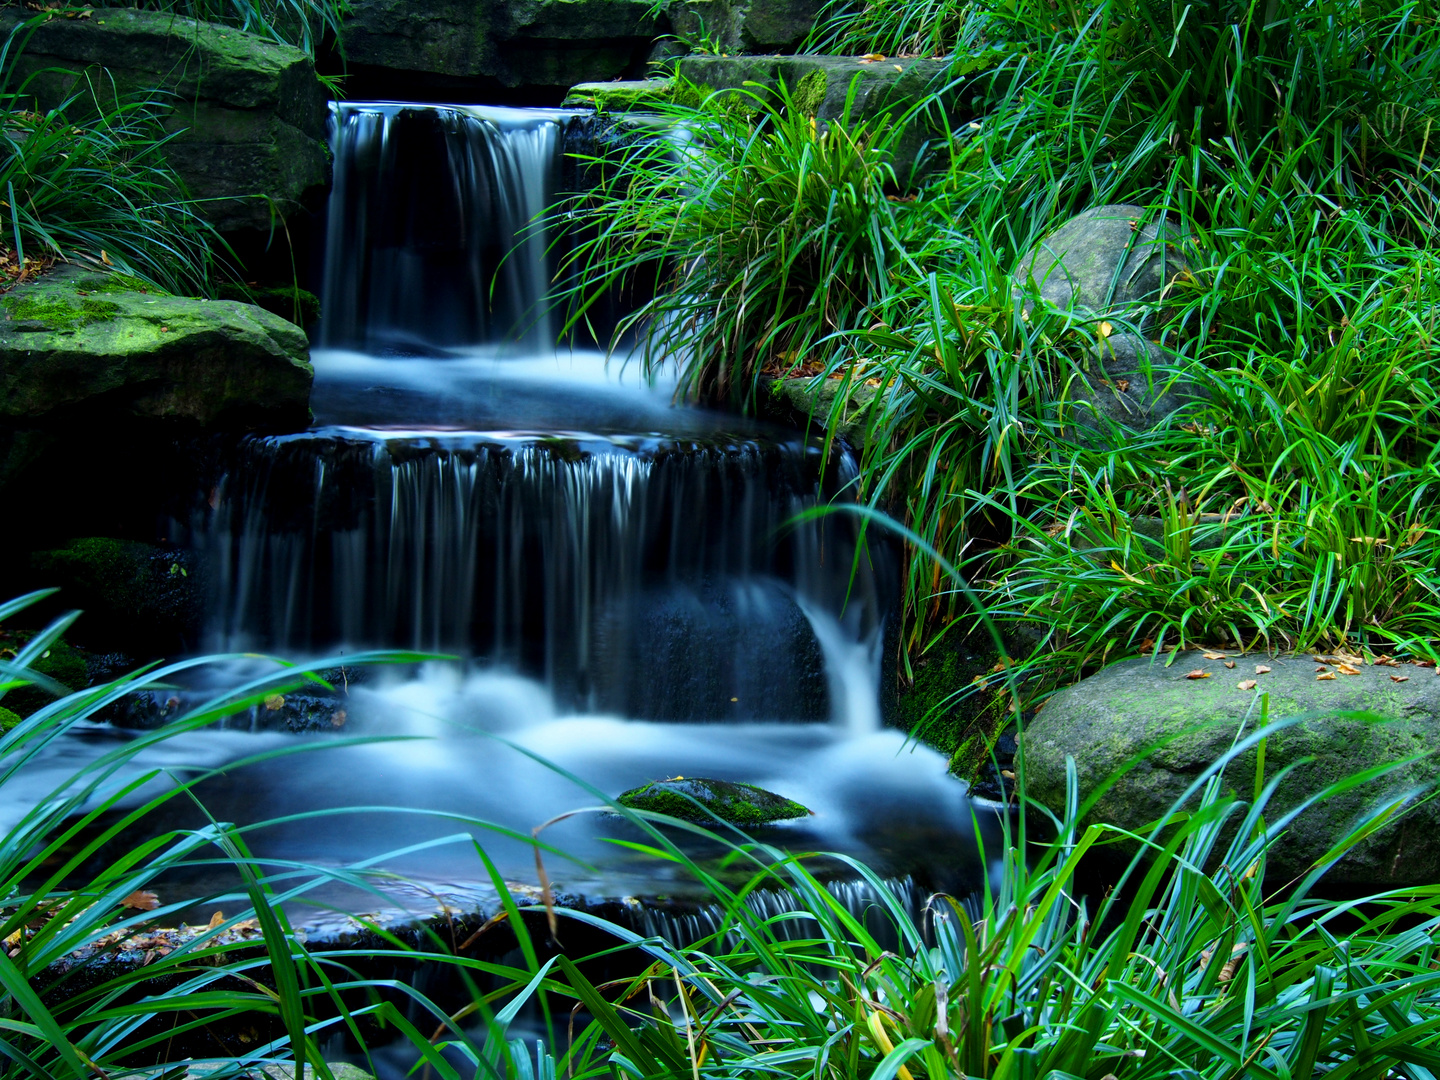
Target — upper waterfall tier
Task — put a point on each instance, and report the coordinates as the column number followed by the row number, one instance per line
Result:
column 432, row 239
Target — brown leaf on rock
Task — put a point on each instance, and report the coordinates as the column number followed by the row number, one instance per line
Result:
column 1322, row 667
column 1346, row 669
column 1423, row 663
column 1215, row 655
column 1325, row 675
column 1248, row 684
column 1197, row 674
column 1262, row 669
column 1386, row 660
column 1230, row 664
column 141, row 900
column 1399, row 678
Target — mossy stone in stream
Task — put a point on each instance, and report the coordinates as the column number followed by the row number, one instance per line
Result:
column 737, row 804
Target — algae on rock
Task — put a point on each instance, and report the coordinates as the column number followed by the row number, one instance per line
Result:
column 735, row 803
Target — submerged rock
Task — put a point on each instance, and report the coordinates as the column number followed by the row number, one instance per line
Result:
column 1108, row 263
column 735, row 803
column 74, row 338
column 1104, row 720
column 248, row 113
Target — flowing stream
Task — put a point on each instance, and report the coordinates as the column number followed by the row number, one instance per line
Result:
column 626, row 588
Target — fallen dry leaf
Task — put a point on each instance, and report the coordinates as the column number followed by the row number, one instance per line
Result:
column 216, row 920
column 1197, row 674
column 1346, row 669
column 872, row 58
column 1262, row 669
column 1248, row 684
column 142, row 900
column 1423, row 663
column 1386, row 660
column 1325, row 675
column 1215, row 655
column 1123, row 385
column 1322, row 667
column 1399, row 678
column 1106, row 329
column 1230, row 664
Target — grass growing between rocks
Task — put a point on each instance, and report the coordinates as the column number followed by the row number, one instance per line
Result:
column 1291, row 150
column 97, row 193
column 1189, row 966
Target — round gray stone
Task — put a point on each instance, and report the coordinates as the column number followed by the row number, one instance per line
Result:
column 1109, row 717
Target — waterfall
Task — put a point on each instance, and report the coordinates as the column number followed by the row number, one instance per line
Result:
column 666, row 579
column 432, row 239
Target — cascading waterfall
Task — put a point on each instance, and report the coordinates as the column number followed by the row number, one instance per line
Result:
column 598, row 559
column 431, row 239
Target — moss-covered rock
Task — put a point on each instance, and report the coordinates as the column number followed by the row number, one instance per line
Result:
column 147, row 354
column 621, row 96
column 143, row 598
column 1188, row 723
column 248, row 113
column 957, row 704
column 290, row 302
column 738, row 804
column 8, row 719
column 61, row 661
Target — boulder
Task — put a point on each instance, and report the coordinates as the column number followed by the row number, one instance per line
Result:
column 738, row 804
column 1105, row 719
column 249, row 112
column 738, row 26
column 1109, row 266
column 73, row 338
column 621, row 96
column 542, row 45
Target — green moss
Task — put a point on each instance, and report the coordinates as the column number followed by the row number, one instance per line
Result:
column 963, row 726
column 61, row 662
column 58, row 312
column 809, row 93
column 8, row 719
column 738, row 804
column 113, row 283
column 300, row 306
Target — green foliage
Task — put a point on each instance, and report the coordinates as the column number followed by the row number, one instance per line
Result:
column 774, row 234
column 98, row 192
column 1188, row 966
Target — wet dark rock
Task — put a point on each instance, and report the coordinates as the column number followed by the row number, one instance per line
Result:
column 249, row 113
column 1105, row 719
column 298, row 712
column 1115, row 265
column 147, row 598
column 740, row 26
column 738, row 804
column 546, row 46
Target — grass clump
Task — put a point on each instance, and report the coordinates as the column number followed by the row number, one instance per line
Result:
column 97, row 193
column 1294, row 147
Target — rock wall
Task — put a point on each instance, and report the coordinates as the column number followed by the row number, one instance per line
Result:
column 250, row 114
